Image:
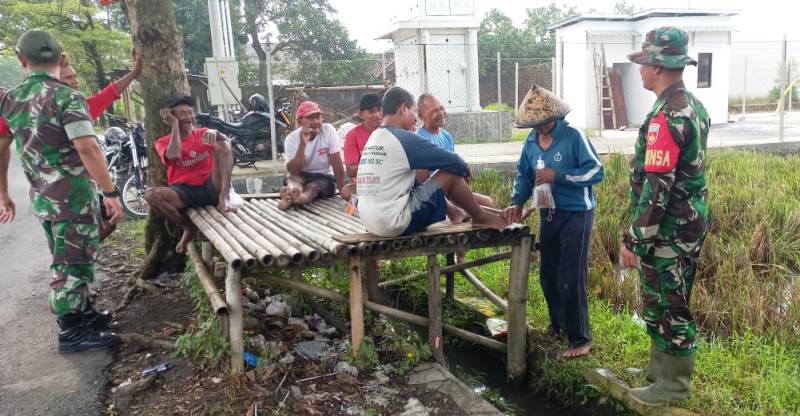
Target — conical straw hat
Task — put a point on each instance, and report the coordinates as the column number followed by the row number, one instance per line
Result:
column 540, row 106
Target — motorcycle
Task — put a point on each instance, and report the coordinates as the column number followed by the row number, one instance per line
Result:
column 125, row 149
column 250, row 136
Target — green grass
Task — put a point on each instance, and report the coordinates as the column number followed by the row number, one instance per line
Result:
column 745, row 296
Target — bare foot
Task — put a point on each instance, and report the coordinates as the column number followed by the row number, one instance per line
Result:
column 578, row 351
column 186, row 238
column 286, row 198
column 457, row 215
column 302, row 199
column 491, row 220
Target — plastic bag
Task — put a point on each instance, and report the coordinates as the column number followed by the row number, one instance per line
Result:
column 542, row 194
column 235, row 201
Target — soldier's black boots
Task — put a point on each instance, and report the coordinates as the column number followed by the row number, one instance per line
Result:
column 77, row 335
column 98, row 320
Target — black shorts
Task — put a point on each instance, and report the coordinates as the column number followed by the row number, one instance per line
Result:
column 326, row 183
column 197, row 195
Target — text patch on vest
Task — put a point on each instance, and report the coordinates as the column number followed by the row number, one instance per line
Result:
column 661, row 152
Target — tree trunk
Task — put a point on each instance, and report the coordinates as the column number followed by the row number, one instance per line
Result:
column 156, row 37
column 260, row 52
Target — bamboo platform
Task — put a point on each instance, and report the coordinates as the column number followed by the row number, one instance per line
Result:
column 261, row 239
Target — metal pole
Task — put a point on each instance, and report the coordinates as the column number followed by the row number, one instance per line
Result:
column 744, row 90
column 783, row 87
column 791, row 85
column 499, row 100
column 516, row 84
column 383, row 65
column 273, row 139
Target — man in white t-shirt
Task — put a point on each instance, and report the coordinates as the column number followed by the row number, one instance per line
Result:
column 313, row 159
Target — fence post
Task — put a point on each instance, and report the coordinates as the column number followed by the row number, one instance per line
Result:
column 744, row 90
column 516, row 84
column 791, row 84
column 499, row 100
column 782, row 91
column 273, row 140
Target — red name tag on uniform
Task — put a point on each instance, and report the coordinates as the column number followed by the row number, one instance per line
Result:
column 661, row 153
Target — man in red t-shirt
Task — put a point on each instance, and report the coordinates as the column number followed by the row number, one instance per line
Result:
column 369, row 109
column 199, row 164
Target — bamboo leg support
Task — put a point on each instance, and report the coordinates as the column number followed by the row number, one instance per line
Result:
column 233, row 296
column 450, row 281
column 356, row 304
column 517, row 310
column 435, row 310
column 207, row 252
column 373, row 293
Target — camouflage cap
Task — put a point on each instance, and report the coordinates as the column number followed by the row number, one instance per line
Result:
column 39, row 47
column 666, row 46
column 539, row 106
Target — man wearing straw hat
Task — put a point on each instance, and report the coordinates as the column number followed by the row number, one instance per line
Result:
column 571, row 168
column 670, row 213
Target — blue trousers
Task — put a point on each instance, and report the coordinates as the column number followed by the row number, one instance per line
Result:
column 564, row 248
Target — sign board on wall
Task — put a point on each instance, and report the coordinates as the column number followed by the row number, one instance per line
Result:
column 223, row 81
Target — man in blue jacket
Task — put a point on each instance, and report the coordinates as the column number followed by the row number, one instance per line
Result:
column 572, row 167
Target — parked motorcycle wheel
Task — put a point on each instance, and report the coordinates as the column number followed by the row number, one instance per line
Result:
column 132, row 197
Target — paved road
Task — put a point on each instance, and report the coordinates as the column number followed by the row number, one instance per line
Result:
column 755, row 129
column 34, row 378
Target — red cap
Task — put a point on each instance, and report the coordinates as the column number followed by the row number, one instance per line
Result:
column 308, row 108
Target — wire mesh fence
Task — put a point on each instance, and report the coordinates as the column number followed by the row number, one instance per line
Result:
column 743, row 81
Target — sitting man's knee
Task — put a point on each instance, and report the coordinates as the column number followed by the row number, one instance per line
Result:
column 151, row 195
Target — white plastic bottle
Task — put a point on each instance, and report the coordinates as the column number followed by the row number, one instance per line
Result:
column 542, row 195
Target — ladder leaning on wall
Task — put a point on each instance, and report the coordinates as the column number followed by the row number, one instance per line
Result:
column 605, row 95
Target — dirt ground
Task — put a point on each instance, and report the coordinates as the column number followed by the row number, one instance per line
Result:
column 290, row 386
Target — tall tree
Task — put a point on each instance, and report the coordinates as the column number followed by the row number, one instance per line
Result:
column 309, row 35
column 94, row 47
column 537, row 22
column 158, row 39
column 623, row 7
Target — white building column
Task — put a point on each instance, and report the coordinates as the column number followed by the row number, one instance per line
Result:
column 473, row 81
column 425, row 40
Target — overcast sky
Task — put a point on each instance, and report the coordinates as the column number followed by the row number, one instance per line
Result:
column 759, row 20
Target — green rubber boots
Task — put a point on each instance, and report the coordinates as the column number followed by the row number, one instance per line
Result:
column 672, row 375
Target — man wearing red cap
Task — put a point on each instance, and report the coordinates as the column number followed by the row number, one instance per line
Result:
column 313, row 160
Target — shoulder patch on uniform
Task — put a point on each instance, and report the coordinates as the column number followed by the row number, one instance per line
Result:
column 661, row 152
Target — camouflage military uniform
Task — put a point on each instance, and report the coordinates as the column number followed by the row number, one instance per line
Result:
column 668, row 194
column 44, row 115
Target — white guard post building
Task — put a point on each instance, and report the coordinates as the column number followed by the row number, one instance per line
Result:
column 436, row 52
column 592, row 71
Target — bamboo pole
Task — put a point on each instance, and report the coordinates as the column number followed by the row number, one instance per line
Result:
column 330, row 228
column 207, row 253
column 485, row 291
column 338, row 209
column 435, row 340
column 222, row 246
column 207, row 282
column 339, row 219
column 356, row 304
column 416, row 242
column 517, row 310
column 294, row 255
column 263, row 256
column 310, row 253
column 373, row 292
column 462, row 239
column 247, row 258
column 386, row 310
column 365, row 248
column 279, row 256
column 477, row 262
column 318, row 236
column 233, row 296
column 327, row 243
column 431, row 241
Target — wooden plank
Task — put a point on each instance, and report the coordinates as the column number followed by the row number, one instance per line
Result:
column 385, row 310
column 373, row 292
column 517, row 364
column 356, row 304
column 435, row 340
column 431, row 231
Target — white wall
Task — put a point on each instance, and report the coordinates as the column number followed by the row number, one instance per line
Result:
column 578, row 75
column 407, row 64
